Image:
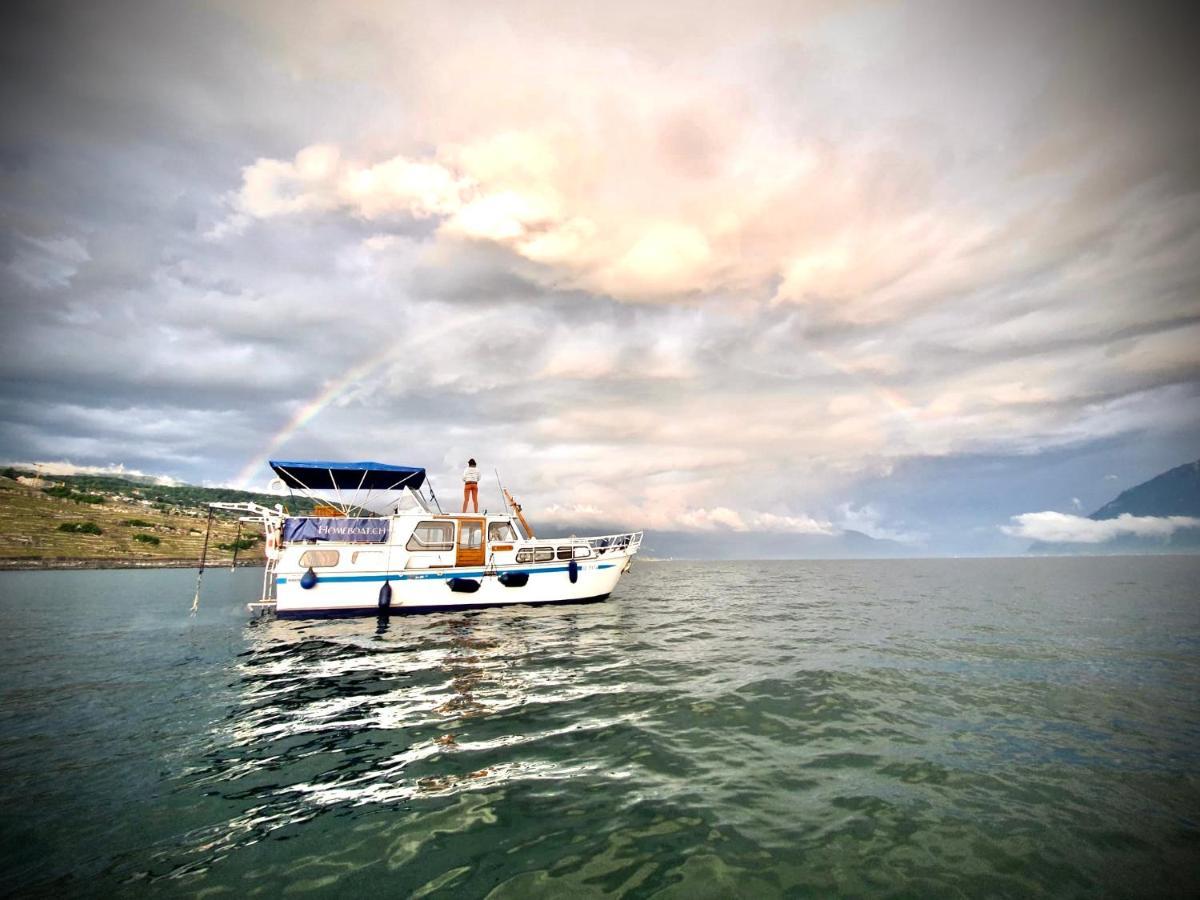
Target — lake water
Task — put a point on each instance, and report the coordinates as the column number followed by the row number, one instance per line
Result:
column 878, row 728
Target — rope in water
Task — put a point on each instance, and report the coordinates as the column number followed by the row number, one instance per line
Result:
column 203, row 557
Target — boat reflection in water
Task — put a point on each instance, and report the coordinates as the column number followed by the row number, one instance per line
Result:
column 330, row 717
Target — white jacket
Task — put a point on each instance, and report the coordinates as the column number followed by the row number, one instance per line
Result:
column 471, row 475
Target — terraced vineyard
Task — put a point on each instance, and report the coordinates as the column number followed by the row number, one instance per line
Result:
column 78, row 522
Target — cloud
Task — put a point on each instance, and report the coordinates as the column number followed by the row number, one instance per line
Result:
column 869, row 520
column 45, row 263
column 65, row 467
column 675, row 264
column 1063, row 528
column 723, row 518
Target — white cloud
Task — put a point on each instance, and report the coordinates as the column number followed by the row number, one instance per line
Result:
column 718, row 517
column 869, row 520
column 722, row 518
column 764, row 521
column 1063, row 528
column 64, row 467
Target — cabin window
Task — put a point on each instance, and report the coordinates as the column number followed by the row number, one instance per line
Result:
column 581, row 552
column 524, row 556
column 432, row 536
column 564, row 552
column 543, row 554
column 501, row 531
column 315, row 559
column 471, row 535
column 367, row 557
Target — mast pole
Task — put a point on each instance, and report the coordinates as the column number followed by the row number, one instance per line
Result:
column 520, row 518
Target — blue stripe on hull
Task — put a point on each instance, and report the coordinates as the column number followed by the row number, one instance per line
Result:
column 436, row 576
column 356, row 611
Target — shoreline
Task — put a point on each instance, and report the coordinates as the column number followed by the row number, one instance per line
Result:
column 36, row 564
column 33, row 564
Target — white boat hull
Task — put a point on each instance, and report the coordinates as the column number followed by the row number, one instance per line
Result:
column 430, row 591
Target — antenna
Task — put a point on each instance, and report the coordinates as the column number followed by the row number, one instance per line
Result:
column 503, row 492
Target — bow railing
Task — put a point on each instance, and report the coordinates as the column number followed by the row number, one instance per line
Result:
column 628, row 542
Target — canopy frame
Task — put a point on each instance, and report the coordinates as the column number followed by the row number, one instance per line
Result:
column 321, row 475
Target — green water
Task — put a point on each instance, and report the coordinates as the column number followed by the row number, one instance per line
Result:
column 888, row 728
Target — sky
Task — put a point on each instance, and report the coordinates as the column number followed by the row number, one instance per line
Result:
column 766, row 268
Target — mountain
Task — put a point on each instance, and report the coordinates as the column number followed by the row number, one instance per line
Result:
column 769, row 545
column 740, row 544
column 1175, row 492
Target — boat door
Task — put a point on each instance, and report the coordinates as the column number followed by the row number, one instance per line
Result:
column 470, row 543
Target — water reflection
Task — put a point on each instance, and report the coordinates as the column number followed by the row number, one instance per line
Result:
column 331, row 715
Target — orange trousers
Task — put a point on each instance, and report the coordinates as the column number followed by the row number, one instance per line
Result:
column 470, row 493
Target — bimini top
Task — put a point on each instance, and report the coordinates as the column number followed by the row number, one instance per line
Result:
column 321, row 475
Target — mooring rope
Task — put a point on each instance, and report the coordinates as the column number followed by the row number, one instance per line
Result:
column 203, row 557
column 237, row 543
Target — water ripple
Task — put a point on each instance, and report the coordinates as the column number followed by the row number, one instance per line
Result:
column 854, row 729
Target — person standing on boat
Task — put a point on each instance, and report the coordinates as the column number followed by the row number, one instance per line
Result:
column 470, row 485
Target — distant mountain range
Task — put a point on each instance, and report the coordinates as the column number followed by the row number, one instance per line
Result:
column 1173, row 493
column 723, row 544
column 769, row 545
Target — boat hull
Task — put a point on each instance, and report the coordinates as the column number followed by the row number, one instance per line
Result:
column 351, row 612
column 446, row 589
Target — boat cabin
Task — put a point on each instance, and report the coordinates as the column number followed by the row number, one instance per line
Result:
column 412, row 534
column 437, row 541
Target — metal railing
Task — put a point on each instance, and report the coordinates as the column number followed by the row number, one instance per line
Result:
column 629, row 542
column 272, row 524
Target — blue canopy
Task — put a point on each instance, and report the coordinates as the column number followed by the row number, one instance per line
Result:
column 320, row 475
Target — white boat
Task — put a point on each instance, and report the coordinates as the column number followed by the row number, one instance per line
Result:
column 402, row 554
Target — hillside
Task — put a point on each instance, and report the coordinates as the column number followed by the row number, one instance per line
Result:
column 106, row 521
column 1175, row 492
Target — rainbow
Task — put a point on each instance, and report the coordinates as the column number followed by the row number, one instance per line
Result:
column 334, row 389
column 310, row 410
